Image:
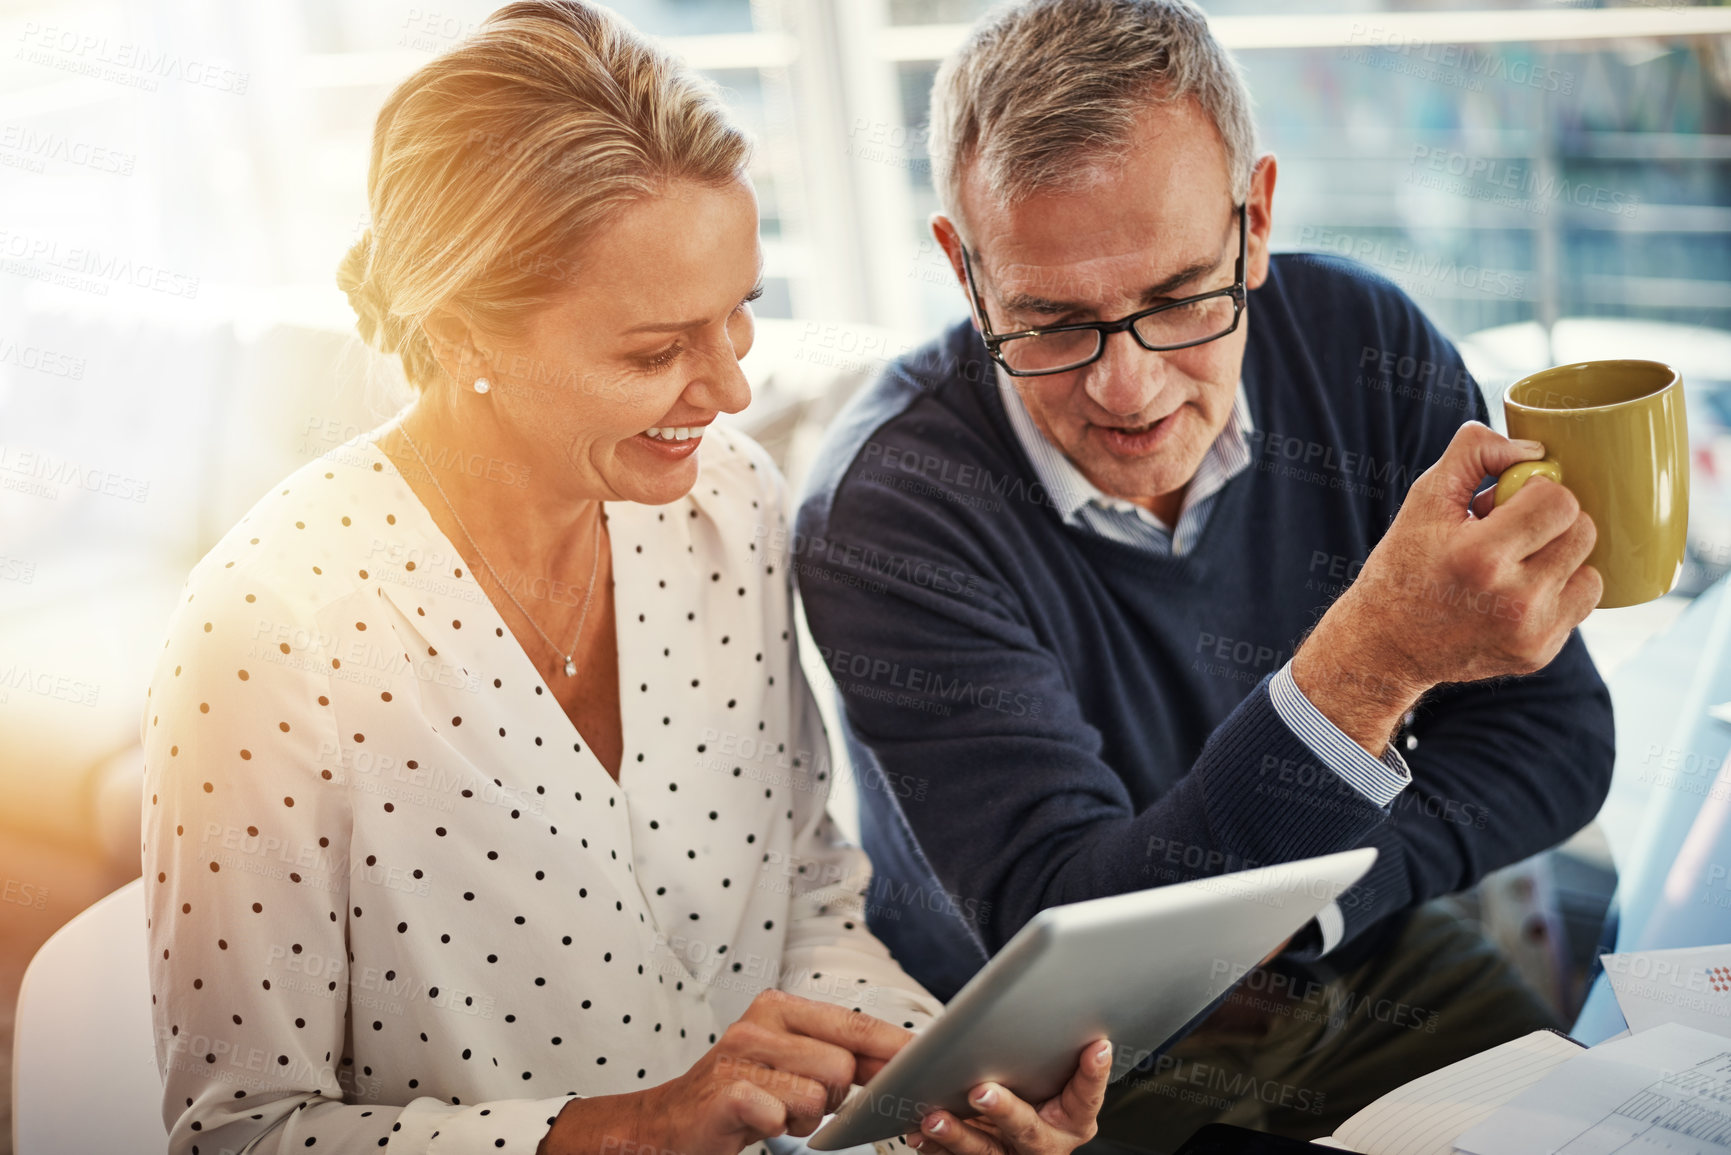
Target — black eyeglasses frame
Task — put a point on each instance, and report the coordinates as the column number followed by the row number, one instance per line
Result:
column 994, row 342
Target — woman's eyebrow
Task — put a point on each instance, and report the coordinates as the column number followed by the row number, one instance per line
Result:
column 680, row 326
column 663, row 327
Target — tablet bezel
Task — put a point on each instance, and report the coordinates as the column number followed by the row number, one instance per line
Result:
column 1041, row 1070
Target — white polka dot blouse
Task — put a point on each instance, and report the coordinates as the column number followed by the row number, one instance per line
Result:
column 393, row 899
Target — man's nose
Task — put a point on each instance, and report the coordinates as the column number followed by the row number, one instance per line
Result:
column 1126, row 377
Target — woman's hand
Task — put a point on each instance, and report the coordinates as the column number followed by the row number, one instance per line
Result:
column 1008, row 1126
column 784, row 1065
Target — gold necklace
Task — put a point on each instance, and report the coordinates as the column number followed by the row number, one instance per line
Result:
column 594, row 565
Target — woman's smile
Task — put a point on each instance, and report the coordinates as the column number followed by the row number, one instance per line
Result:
column 671, row 442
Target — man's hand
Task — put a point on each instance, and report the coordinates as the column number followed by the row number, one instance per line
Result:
column 1447, row 596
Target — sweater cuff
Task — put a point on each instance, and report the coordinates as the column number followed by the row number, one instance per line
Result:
column 1269, row 797
column 1379, row 780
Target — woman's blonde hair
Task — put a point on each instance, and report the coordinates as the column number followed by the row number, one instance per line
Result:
column 493, row 163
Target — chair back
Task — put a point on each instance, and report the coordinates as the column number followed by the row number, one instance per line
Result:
column 84, row 1074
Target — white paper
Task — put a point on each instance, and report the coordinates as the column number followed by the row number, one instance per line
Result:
column 1691, row 986
column 1664, row 1091
column 1423, row 1116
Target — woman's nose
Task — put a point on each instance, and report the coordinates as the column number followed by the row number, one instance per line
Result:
column 723, row 384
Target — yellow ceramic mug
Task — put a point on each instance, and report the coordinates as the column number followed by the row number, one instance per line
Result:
column 1614, row 433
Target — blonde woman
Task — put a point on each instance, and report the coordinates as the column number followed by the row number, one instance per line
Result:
column 484, row 796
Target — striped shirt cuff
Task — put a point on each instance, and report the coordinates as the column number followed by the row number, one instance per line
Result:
column 1379, row 779
column 1332, row 925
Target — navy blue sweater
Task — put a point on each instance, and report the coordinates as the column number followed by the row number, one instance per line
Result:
column 1038, row 715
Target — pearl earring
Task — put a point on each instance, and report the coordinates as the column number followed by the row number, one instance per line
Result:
column 482, row 385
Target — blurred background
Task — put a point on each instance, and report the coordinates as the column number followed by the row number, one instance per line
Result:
column 179, row 179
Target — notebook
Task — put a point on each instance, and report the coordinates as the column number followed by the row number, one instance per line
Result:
column 1425, row 1116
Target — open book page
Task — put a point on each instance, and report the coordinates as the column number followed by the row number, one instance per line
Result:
column 1662, row 1091
column 1423, row 1117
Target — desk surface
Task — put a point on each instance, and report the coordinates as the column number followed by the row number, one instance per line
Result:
column 1674, row 888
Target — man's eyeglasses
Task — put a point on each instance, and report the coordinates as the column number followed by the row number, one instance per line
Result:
column 1174, row 325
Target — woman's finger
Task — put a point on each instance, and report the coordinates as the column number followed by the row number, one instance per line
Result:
column 926, row 1145
column 862, row 1035
column 1018, row 1123
column 944, row 1134
column 805, row 1100
column 763, row 1096
column 1020, row 1128
column 865, row 1070
column 753, row 1044
column 1075, row 1107
column 753, row 1110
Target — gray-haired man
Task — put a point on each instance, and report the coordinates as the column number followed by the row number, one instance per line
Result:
column 1172, row 572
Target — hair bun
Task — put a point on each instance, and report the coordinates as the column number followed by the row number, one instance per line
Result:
column 380, row 327
column 353, row 278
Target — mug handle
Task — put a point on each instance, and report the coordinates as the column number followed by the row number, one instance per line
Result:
column 1509, row 482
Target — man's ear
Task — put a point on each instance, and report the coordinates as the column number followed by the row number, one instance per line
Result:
column 945, row 232
column 1259, row 220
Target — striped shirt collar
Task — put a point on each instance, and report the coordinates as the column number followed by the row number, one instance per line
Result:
column 1074, row 496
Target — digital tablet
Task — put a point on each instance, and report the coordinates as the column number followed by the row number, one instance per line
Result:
column 1133, row 968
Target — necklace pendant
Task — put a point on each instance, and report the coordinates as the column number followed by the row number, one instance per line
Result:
column 570, row 668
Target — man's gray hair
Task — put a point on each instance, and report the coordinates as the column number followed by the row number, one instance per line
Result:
column 1044, row 89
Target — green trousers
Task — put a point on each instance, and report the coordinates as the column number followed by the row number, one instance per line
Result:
column 1297, row 1055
